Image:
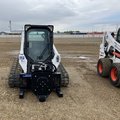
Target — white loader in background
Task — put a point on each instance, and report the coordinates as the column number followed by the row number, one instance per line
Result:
column 109, row 58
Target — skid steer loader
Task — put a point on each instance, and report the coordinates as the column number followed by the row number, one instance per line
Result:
column 109, row 58
column 38, row 66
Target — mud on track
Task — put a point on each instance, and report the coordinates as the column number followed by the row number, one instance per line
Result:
column 88, row 97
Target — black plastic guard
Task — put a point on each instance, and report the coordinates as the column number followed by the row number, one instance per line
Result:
column 41, row 84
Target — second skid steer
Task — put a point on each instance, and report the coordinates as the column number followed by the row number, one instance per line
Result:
column 109, row 58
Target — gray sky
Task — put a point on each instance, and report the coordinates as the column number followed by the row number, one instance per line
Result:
column 83, row 15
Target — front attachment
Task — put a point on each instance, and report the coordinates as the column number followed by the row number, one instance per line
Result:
column 41, row 85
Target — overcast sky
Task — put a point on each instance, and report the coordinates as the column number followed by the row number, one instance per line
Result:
column 63, row 14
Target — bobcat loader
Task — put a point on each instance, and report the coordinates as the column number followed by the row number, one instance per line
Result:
column 109, row 58
column 38, row 66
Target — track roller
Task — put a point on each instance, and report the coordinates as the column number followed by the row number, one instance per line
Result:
column 64, row 76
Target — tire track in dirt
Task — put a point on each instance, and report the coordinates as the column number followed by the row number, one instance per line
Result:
column 101, row 91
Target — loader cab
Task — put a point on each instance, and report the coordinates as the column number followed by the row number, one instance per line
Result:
column 38, row 44
column 118, row 36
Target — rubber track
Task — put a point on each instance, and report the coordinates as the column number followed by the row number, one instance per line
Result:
column 13, row 80
column 64, row 75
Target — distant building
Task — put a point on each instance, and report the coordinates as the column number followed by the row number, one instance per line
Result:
column 10, row 33
column 96, row 33
column 3, row 33
column 14, row 33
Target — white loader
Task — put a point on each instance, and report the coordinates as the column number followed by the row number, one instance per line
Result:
column 38, row 66
column 109, row 58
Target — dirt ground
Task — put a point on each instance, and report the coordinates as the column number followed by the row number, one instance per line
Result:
column 88, row 96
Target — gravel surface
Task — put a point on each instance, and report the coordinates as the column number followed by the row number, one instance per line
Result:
column 88, row 96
